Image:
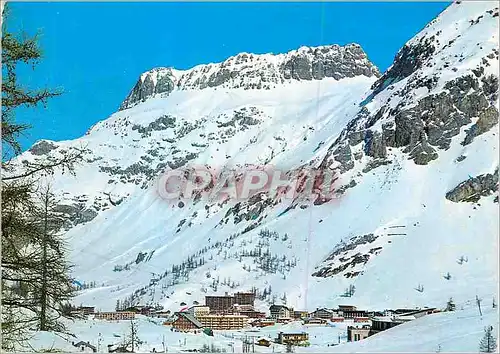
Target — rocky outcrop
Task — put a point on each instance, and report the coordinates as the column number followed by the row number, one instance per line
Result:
column 487, row 120
column 42, row 147
column 161, row 123
column 345, row 255
column 77, row 214
column 257, row 71
column 409, row 59
column 474, row 188
column 153, row 82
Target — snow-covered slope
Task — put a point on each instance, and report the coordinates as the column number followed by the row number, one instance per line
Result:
column 415, row 152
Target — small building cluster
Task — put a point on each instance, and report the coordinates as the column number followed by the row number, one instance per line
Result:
column 223, row 312
column 382, row 322
column 115, row 316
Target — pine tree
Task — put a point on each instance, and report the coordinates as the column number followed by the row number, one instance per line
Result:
column 22, row 230
column 450, row 305
column 488, row 342
column 53, row 285
column 132, row 339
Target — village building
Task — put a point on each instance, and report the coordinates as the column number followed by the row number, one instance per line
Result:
column 139, row 309
column 199, row 310
column 316, row 321
column 115, row 316
column 380, row 324
column 219, row 304
column 186, row 322
column 351, row 314
column 223, row 322
column 86, row 310
column 361, row 319
column 292, row 338
column 322, row 313
column 78, row 314
column 264, row 322
column 347, row 308
column 417, row 313
column 263, row 342
column 251, row 313
column 280, row 311
column 358, row 333
column 85, row 347
column 169, row 321
column 161, row 313
column 337, row 319
column 300, row 314
column 244, row 298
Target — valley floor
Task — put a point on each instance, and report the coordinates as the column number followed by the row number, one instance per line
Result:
column 458, row 331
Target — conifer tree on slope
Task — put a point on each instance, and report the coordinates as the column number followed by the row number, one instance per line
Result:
column 488, row 343
column 21, row 223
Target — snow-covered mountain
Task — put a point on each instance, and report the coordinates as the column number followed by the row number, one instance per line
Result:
column 415, row 151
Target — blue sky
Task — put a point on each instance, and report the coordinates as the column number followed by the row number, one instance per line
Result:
column 96, row 51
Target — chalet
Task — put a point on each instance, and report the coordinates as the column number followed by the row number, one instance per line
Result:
column 292, row 338
column 186, row 322
column 357, row 333
column 263, row 342
column 279, row 311
column 115, row 316
column 300, row 314
column 322, row 313
column 85, row 347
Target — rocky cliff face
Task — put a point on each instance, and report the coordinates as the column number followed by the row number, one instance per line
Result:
column 257, row 71
column 432, row 90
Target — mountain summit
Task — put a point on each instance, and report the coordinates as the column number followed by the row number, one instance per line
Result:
column 257, row 71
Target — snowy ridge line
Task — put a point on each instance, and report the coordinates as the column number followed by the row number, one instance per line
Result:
column 256, row 71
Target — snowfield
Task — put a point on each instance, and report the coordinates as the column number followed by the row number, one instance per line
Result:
column 390, row 231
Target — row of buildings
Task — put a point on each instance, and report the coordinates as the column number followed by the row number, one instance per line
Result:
column 335, row 315
column 233, row 312
column 382, row 323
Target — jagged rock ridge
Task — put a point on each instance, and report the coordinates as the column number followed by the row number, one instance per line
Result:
column 257, row 71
